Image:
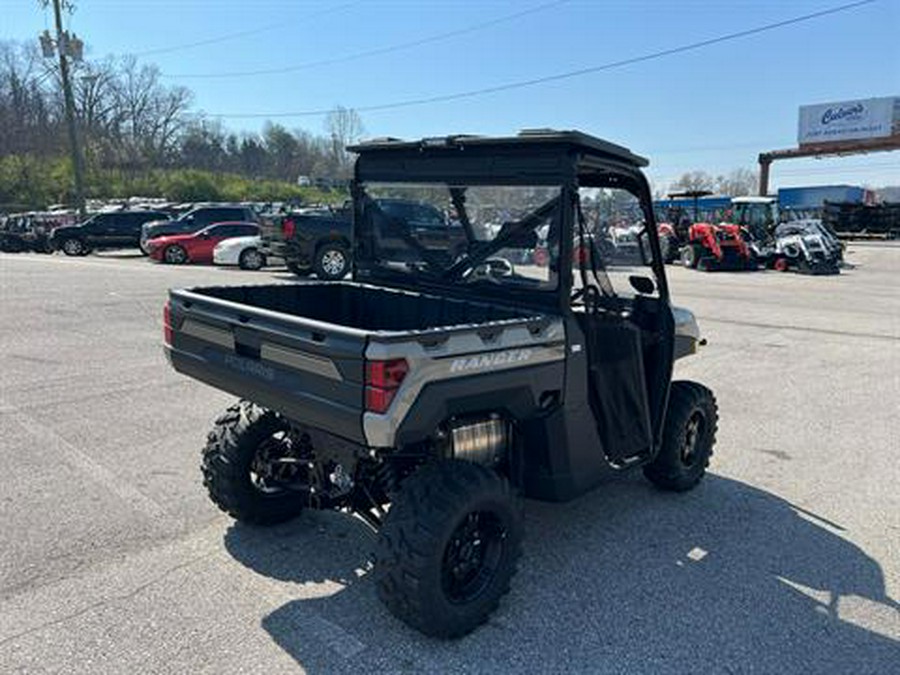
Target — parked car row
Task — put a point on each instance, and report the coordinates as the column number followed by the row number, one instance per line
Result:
column 223, row 234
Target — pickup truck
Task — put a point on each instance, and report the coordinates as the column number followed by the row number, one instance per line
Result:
column 311, row 240
column 433, row 389
column 319, row 240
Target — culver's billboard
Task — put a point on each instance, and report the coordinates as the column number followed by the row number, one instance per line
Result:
column 849, row 120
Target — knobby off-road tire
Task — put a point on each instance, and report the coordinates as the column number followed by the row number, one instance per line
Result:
column 449, row 548
column 688, row 438
column 232, row 449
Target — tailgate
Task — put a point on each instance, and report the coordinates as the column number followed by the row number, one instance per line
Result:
column 272, row 239
column 310, row 371
column 270, row 230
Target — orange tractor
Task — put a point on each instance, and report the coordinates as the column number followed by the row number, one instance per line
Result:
column 717, row 247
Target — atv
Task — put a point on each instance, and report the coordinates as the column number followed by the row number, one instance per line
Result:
column 430, row 393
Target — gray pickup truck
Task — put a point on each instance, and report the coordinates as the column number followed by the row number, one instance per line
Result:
column 432, row 390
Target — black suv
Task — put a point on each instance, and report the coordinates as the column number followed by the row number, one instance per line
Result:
column 115, row 229
column 196, row 219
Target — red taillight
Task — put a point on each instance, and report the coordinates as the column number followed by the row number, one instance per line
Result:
column 288, row 227
column 383, row 379
column 386, row 374
column 167, row 324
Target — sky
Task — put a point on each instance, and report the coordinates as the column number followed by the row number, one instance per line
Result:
column 712, row 108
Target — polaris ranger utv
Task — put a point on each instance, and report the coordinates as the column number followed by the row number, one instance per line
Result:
column 434, row 389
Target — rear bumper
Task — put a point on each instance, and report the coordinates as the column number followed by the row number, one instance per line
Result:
column 286, row 251
column 228, row 257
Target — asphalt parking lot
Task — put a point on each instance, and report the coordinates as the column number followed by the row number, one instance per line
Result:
column 786, row 558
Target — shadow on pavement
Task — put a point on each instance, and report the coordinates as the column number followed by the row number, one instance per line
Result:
column 728, row 578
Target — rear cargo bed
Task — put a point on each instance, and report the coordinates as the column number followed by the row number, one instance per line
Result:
column 300, row 348
column 362, row 307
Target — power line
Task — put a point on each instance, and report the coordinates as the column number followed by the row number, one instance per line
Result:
column 243, row 33
column 562, row 76
column 375, row 52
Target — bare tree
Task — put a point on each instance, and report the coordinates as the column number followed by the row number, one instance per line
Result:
column 28, row 122
column 694, row 180
column 152, row 115
column 344, row 126
column 738, row 183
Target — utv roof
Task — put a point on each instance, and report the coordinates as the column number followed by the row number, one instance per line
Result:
column 570, row 140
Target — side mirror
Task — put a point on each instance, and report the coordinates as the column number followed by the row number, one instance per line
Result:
column 643, row 285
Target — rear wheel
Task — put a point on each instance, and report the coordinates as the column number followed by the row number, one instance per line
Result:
column 251, row 259
column 247, row 462
column 175, row 255
column 448, row 548
column 332, row 262
column 688, row 438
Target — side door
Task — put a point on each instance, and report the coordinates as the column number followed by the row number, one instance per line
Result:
column 97, row 231
column 621, row 305
column 204, row 243
column 124, row 230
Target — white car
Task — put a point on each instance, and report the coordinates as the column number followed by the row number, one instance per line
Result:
column 242, row 251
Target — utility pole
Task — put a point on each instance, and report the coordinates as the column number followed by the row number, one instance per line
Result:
column 64, row 47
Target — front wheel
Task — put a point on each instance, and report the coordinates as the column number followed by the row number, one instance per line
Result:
column 74, row 247
column 688, row 438
column 175, row 255
column 448, row 548
column 690, row 256
column 248, row 464
column 332, row 262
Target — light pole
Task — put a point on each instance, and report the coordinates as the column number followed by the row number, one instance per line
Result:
column 67, row 46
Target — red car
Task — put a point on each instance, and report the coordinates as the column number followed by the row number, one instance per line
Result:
column 197, row 247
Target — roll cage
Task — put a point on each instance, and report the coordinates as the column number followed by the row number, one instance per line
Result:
column 565, row 159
